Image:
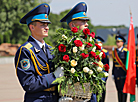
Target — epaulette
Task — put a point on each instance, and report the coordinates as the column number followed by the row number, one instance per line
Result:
column 104, row 50
column 28, row 45
column 125, row 49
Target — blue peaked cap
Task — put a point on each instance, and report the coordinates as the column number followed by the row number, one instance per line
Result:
column 99, row 39
column 39, row 13
column 119, row 37
column 76, row 13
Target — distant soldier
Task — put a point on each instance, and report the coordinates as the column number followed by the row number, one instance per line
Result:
column 99, row 41
column 119, row 70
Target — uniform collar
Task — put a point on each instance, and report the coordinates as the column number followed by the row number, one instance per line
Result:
column 39, row 43
column 119, row 49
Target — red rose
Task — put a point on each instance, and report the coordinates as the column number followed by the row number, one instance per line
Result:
column 78, row 43
column 103, row 55
column 106, row 67
column 62, row 48
column 88, row 44
column 74, row 29
column 98, row 57
column 86, row 31
column 66, row 58
column 98, row 47
column 92, row 34
column 84, row 55
column 95, row 63
column 93, row 54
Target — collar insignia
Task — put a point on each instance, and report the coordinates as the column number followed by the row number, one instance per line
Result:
column 36, row 50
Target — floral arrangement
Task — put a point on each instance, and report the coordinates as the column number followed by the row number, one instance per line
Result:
column 80, row 57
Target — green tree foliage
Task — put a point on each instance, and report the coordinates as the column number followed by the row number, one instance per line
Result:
column 11, row 11
column 110, row 40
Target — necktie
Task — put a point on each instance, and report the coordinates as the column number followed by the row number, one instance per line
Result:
column 44, row 50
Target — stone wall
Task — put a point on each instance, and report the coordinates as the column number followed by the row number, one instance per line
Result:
column 7, row 49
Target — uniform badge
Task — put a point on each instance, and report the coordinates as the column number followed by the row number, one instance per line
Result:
column 25, row 64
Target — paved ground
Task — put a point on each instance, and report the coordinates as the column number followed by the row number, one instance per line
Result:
column 11, row 91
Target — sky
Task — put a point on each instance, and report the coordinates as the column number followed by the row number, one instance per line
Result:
column 103, row 12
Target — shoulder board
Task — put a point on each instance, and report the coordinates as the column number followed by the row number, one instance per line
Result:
column 125, row 49
column 28, row 45
column 104, row 50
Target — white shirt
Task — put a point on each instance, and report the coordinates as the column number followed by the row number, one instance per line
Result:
column 120, row 48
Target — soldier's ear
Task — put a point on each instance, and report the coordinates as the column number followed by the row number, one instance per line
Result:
column 31, row 27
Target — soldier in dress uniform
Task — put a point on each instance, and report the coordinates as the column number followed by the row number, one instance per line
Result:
column 77, row 17
column 119, row 71
column 99, row 40
column 34, row 67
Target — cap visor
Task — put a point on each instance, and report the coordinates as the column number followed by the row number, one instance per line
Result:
column 45, row 21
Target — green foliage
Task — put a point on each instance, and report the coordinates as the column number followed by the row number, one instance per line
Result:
column 110, row 40
column 11, row 11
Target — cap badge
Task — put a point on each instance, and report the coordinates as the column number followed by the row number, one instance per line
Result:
column 84, row 13
column 46, row 6
column 83, row 4
column 45, row 15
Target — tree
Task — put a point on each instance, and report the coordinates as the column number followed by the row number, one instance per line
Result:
column 11, row 11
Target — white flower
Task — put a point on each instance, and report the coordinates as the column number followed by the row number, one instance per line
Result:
column 72, row 70
column 90, row 72
column 100, row 44
column 74, row 49
column 99, row 69
column 100, row 64
column 64, row 36
column 82, row 47
column 77, row 39
column 101, row 53
column 86, row 69
column 106, row 74
column 73, row 63
column 94, row 49
column 90, row 39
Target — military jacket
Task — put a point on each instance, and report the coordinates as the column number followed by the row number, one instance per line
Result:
column 106, row 59
column 34, row 71
column 119, row 61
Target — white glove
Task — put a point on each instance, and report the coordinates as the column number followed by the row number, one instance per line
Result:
column 65, row 99
column 59, row 72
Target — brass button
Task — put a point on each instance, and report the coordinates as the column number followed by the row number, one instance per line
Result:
column 118, row 78
column 53, row 93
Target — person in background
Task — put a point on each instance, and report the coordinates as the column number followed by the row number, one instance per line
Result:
column 77, row 17
column 119, row 71
column 34, row 68
column 99, row 40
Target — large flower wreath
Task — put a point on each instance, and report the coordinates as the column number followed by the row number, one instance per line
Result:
column 80, row 57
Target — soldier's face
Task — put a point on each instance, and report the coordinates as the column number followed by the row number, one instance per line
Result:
column 40, row 30
column 119, row 43
column 81, row 23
